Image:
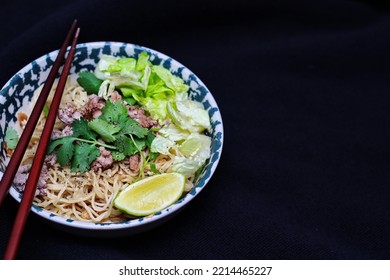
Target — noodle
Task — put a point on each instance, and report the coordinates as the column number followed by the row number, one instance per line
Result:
column 88, row 196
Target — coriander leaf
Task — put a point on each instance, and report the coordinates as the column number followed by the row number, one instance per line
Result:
column 133, row 127
column 129, row 146
column 114, row 112
column 65, row 151
column 118, row 156
column 123, row 143
column 89, row 82
column 138, row 143
column 149, row 139
column 105, row 130
column 80, row 129
column 84, row 155
column 11, row 138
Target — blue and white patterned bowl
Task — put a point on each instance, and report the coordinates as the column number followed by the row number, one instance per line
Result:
column 19, row 90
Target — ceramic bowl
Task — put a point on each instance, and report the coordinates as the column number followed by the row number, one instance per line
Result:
column 18, row 92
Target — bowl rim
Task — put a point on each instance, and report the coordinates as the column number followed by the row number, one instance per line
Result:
column 141, row 221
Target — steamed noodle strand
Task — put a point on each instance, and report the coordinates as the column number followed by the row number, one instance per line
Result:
column 88, row 196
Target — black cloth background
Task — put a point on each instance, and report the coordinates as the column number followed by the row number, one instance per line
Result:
column 303, row 88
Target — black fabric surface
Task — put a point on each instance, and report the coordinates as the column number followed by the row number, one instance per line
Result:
column 303, row 88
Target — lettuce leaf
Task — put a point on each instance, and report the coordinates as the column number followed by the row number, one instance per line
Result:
column 185, row 166
column 196, row 147
column 161, row 145
column 151, row 86
column 189, row 115
column 174, row 133
column 174, row 83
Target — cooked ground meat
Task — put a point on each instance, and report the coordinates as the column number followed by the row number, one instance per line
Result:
column 115, row 96
column 139, row 115
column 104, row 161
column 68, row 114
column 134, row 162
column 21, row 176
column 93, row 108
column 49, row 162
column 67, row 131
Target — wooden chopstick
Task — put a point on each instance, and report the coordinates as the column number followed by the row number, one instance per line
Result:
column 36, row 167
column 20, row 149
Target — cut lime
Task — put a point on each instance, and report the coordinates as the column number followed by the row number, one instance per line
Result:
column 151, row 194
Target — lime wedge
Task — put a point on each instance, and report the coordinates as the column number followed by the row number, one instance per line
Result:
column 151, row 194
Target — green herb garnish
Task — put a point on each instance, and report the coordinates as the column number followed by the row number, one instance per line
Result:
column 113, row 130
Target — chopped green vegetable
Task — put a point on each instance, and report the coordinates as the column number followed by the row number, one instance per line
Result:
column 153, row 168
column 45, row 110
column 89, row 82
column 11, row 138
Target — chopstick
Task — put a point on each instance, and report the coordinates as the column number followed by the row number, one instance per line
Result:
column 29, row 191
column 20, row 149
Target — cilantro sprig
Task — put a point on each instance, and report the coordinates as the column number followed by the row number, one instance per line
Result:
column 114, row 130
